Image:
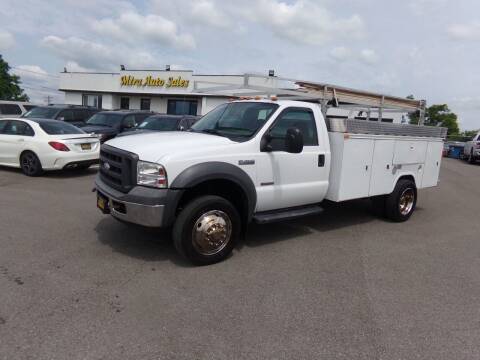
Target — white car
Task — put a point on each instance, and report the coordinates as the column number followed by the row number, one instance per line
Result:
column 14, row 109
column 35, row 145
column 471, row 151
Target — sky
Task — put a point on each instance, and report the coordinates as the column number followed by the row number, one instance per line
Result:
column 428, row 48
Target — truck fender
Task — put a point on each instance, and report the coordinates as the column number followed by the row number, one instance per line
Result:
column 216, row 170
column 405, row 174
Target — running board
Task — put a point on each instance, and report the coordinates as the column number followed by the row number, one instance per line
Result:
column 287, row 214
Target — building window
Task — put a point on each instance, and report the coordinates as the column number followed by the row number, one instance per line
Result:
column 144, row 104
column 125, row 103
column 182, row 107
column 92, row 100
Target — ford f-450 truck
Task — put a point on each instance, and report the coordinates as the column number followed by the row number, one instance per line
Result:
column 263, row 161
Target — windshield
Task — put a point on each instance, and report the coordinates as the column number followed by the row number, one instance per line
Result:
column 103, row 119
column 41, row 112
column 236, row 120
column 59, row 128
column 159, row 123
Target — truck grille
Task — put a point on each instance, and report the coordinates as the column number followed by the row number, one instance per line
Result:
column 118, row 168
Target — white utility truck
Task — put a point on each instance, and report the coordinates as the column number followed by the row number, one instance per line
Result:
column 267, row 160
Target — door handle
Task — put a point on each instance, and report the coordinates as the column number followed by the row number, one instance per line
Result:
column 321, row 160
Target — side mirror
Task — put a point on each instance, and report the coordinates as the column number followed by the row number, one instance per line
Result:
column 294, row 141
column 265, row 143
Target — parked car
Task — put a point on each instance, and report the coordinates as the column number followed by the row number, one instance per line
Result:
column 74, row 114
column 108, row 124
column 13, row 109
column 471, row 151
column 36, row 145
column 163, row 123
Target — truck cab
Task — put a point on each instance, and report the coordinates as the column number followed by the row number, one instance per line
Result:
column 254, row 160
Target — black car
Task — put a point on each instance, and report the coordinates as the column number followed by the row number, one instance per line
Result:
column 73, row 114
column 162, row 122
column 108, row 124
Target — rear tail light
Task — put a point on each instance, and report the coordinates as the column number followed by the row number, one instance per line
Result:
column 58, row 146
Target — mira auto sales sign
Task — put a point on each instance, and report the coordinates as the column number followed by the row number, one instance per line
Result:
column 154, row 81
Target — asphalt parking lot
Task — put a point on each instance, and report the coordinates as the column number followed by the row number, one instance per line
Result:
column 75, row 284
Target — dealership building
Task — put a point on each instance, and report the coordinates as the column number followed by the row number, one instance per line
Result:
column 163, row 91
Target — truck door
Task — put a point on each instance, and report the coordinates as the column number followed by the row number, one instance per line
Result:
column 285, row 179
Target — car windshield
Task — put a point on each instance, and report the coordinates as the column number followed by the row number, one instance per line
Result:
column 236, row 120
column 42, row 112
column 103, row 119
column 59, row 128
column 159, row 123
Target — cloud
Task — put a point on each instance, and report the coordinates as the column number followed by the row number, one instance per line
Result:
column 38, row 84
column 304, row 21
column 7, row 40
column 206, row 12
column 420, row 7
column 342, row 54
column 30, row 72
column 132, row 27
column 93, row 55
column 465, row 31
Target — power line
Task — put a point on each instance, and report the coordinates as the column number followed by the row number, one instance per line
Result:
column 35, row 72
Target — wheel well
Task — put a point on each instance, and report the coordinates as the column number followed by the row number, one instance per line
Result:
column 24, row 152
column 227, row 189
column 407, row 177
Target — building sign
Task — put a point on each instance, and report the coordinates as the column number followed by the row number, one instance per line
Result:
column 150, row 81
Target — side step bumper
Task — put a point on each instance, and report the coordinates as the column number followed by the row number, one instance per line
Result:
column 286, row 214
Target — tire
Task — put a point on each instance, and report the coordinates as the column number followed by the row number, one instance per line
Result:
column 207, row 213
column 471, row 158
column 401, row 203
column 30, row 164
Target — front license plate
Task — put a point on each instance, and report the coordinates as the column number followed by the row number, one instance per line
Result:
column 86, row 146
column 102, row 204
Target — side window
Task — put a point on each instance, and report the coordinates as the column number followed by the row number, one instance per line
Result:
column 129, row 121
column 299, row 118
column 65, row 115
column 10, row 109
column 3, row 123
column 18, row 128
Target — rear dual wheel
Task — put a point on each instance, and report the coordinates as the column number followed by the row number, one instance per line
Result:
column 400, row 204
column 30, row 164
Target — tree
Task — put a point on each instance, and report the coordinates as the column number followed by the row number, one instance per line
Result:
column 438, row 115
column 10, row 84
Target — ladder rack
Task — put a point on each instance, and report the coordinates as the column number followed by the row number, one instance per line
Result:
column 329, row 96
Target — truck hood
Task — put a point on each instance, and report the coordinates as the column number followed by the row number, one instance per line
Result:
column 153, row 146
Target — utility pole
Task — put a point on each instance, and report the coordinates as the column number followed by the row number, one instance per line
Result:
column 49, row 98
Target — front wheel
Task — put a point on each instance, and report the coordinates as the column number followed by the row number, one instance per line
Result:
column 206, row 230
column 401, row 203
column 30, row 164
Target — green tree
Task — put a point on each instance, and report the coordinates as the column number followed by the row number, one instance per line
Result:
column 10, row 84
column 438, row 115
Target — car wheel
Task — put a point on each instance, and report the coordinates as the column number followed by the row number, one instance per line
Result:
column 471, row 158
column 401, row 203
column 30, row 164
column 206, row 230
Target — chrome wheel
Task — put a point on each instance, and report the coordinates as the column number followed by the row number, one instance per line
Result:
column 407, row 199
column 211, row 232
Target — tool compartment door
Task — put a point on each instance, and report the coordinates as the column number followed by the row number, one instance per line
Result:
column 432, row 164
column 408, row 152
column 382, row 168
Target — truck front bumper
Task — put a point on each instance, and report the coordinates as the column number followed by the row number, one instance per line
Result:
column 141, row 205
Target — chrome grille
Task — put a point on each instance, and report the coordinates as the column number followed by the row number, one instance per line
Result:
column 118, row 168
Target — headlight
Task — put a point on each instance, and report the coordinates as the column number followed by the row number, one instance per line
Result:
column 151, row 174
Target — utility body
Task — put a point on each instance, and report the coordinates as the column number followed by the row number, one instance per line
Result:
column 263, row 161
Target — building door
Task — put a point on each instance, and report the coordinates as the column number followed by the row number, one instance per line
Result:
column 124, row 103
